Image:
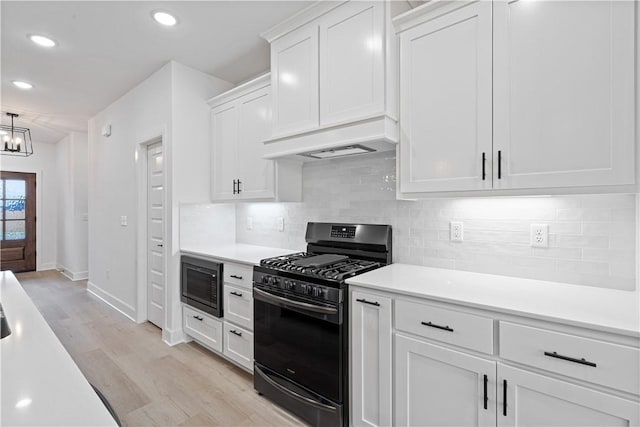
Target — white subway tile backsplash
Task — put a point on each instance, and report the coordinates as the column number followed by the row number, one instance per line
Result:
column 592, row 237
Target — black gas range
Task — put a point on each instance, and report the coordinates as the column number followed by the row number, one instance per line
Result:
column 300, row 319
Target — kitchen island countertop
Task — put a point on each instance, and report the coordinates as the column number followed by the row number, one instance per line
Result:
column 41, row 384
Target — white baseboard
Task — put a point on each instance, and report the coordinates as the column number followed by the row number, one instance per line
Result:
column 113, row 301
column 72, row 275
column 46, row 266
column 173, row 337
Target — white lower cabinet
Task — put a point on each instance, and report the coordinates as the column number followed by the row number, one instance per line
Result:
column 202, row 327
column 238, row 345
column 371, row 359
column 529, row 399
column 436, row 386
column 582, row 378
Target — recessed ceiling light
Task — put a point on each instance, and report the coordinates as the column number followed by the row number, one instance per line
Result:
column 22, row 85
column 42, row 40
column 165, row 18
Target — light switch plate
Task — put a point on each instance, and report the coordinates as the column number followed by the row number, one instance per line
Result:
column 280, row 223
column 123, row 221
column 249, row 223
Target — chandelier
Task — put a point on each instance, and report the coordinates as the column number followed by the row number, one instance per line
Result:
column 16, row 141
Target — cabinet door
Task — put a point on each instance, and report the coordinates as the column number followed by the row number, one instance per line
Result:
column 370, row 359
column 352, row 62
column 445, row 102
column 255, row 173
column 294, row 79
column 436, row 386
column 536, row 400
column 224, row 128
column 564, row 93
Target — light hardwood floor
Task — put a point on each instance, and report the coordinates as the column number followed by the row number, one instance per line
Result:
column 147, row 382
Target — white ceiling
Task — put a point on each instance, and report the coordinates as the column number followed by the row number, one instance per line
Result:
column 107, row 47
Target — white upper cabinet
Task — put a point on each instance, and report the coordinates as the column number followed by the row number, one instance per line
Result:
column 445, row 102
column 240, row 121
column 333, row 69
column 544, row 90
column 564, row 90
column 294, row 78
column 352, row 62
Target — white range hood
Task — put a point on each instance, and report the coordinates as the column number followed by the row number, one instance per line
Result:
column 367, row 136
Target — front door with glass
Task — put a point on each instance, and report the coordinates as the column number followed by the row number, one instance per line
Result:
column 18, row 221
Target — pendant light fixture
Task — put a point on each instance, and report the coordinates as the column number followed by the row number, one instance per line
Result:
column 16, row 141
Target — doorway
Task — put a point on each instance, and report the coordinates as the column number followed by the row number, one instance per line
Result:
column 155, row 235
column 18, row 221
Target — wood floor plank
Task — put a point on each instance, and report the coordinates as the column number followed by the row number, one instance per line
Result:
column 147, row 382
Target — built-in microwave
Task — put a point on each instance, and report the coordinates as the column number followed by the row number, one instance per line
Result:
column 201, row 284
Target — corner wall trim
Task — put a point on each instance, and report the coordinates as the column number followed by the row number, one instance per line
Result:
column 112, row 301
column 72, row 275
column 173, row 337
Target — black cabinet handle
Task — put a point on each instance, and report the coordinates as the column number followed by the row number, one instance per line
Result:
column 484, row 161
column 504, row 398
column 486, row 397
column 234, row 332
column 239, row 189
column 234, row 187
column 238, row 294
column 581, row 361
column 236, row 277
column 377, row 304
column 433, row 325
column 499, row 164
column 198, row 318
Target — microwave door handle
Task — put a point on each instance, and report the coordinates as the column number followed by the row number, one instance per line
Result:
column 293, row 394
column 296, row 304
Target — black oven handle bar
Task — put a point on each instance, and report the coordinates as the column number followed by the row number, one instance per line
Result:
column 293, row 394
column 296, row 304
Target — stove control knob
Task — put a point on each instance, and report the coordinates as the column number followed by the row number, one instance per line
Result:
column 265, row 279
column 310, row 289
column 288, row 285
column 317, row 292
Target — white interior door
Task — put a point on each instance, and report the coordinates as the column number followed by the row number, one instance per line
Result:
column 155, row 235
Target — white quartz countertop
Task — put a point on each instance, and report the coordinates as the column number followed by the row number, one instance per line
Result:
column 595, row 308
column 245, row 254
column 40, row 384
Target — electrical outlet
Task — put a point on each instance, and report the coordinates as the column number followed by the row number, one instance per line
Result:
column 539, row 235
column 280, row 223
column 123, row 220
column 249, row 223
column 456, row 231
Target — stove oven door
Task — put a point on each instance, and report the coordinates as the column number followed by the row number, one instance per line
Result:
column 300, row 340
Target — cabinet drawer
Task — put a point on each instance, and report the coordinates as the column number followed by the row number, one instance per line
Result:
column 238, row 274
column 202, row 327
column 449, row 326
column 616, row 366
column 238, row 306
column 238, row 345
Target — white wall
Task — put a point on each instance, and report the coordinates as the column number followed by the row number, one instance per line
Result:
column 592, row 237
column 171, row 104
column 72, row 162
column 43, row 164
column 141, row 114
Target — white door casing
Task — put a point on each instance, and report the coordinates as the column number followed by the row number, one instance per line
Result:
column 155, row 235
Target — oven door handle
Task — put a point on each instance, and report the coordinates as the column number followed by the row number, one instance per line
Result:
column 296, row 304
column 293, row 394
